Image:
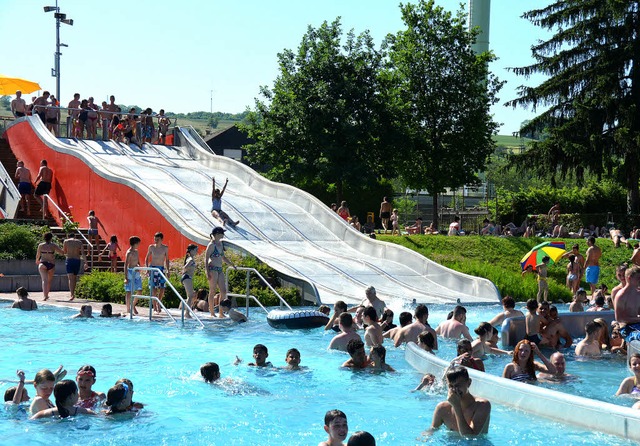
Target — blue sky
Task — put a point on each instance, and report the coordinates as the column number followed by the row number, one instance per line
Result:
column 171, row 55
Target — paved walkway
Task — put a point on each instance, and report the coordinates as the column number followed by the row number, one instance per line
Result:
column 61, row 299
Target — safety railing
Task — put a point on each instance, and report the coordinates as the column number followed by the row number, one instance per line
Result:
column 184, row 307
column 9, row 195
column 248, row 296
column 47, row 197
column 65, row 126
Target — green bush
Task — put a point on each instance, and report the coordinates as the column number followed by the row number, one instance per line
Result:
column 102, row 286
column 593, row 198
column 19, row 242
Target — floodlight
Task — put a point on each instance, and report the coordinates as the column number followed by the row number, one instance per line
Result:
column 50, row 8
column 67, row 21
column 60, row 15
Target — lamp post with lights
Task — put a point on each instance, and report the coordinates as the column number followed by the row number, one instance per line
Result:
column 60, row 18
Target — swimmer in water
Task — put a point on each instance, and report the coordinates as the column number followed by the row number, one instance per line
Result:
column 631, row 385
column 293, row 359
column 462, row 412
column 335, row 424
column 66, row 395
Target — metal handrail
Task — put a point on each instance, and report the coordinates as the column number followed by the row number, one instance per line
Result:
column 11, row 194
column 248, row 296
column 44, row 215
column 155, row 299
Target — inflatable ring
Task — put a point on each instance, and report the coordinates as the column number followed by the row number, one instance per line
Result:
column 294, row 319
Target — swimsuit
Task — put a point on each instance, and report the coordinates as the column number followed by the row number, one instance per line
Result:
column 89, row 403
column 135, row 281
column 215, row 253
column 592, row 273
column 385, row 214
column 217, row 269
column 635, row 390
column 157, row 281
column 185, row 276
column 73, row 266
column 536, row 338
column 44, row 187
column 93, row 231
column 572, row 277
column 24, row 187
column 521, row 377
column 216, row 204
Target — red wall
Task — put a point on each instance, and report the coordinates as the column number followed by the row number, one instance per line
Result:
column 122, row 210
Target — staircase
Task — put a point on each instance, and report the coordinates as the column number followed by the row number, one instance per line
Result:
column 33, row 215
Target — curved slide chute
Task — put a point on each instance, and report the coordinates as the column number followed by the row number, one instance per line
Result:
column 141, row 190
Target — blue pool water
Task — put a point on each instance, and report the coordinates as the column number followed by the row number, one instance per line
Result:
column 266, row 407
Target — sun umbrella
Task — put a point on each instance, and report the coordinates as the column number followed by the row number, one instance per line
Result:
column 9, row 85
column 553, row 250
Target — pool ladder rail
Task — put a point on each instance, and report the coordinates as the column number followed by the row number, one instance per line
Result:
column 153, row 298
column 248, row 296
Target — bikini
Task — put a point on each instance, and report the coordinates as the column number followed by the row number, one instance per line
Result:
column 215, row 253
column 635, row 390
column 47, row 265
column 521, row 377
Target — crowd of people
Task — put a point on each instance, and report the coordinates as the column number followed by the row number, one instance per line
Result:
column 86, row 117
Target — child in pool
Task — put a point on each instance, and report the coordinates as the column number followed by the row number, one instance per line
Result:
column 234, row 315
column 631, row 385
column 86, row 378
column 85, row 313
column 107, row 311
column 120, row 398
column 335, row 424
column 17, row 394
column 113, row 247
column 293, row 359
column 210, row 371
column 377, row 356
column 43, row 383
column 260, row 355
column 532, row 323
column 66, row 395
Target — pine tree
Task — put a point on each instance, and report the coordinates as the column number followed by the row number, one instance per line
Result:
column 592, row 92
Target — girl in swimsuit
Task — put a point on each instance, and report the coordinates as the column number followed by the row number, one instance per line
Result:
column 523, row 368
column 631, row 385
column 66, row 394
column 113, row 249
column 343, row 211
column 188, row 271
column 43, row 383
column 85, row 379
column 45, row 259
column 214, row 256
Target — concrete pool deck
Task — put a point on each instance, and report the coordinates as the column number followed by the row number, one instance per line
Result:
column 61, row 299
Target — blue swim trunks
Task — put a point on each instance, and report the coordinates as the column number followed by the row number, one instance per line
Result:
column 631, row 332
column 73, row 266
column 135, row 281
column 24, row 188
column 157, row 281
column 592, row 274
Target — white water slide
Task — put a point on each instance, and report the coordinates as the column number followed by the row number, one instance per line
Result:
column 288, row 229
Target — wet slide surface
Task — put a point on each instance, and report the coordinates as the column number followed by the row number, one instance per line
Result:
column 287, row 228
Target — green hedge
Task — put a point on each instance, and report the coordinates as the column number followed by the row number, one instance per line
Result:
column 18, row 242
column 593, row 198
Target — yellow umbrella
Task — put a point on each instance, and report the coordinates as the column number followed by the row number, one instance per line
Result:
column 9, row 85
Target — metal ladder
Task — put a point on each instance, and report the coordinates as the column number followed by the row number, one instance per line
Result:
column 153, row 298
column 247, row 296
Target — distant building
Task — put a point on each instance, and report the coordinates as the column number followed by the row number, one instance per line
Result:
column 229, row 142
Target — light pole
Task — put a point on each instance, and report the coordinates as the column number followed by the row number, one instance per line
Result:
column 60, row 18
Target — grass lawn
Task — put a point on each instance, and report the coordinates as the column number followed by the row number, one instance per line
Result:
column 498, row 259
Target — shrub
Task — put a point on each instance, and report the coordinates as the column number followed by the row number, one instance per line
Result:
column 103, row 286
column 19, row 242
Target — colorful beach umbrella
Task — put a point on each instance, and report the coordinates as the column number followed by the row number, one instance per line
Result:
column 9, row 86
column 553, row 250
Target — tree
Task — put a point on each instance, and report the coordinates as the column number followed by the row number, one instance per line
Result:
column 5, row 102
column 322, row 121
column 593, row 92
column 441, row 95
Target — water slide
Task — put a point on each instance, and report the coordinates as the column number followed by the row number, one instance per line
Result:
column 141, row 190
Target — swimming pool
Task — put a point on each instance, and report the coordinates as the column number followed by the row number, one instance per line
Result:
column 266, row 407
